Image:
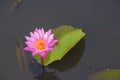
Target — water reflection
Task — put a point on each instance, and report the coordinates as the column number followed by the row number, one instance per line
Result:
column 22, row 59
column 36, row 68
column 40, row 74
column 1, row 76
column 47, row 76
column 71, row 59
column 15, row 4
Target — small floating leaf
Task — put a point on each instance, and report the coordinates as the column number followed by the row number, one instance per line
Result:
column 107, row 74
column 67, row 37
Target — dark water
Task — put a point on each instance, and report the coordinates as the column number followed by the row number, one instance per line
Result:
column 100, row 49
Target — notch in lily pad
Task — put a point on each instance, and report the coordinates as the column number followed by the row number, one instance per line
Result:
column 67, row 37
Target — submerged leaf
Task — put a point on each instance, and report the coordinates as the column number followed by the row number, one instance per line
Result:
column 107, row 74
column 67, row 37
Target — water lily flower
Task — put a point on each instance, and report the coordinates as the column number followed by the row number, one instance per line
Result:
column 40, row 42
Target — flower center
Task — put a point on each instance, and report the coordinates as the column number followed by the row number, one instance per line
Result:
column 40, row 45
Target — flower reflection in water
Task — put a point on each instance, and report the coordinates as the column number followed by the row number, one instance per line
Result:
column 40, row 74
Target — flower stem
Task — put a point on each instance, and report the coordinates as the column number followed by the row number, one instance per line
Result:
column 42, row 64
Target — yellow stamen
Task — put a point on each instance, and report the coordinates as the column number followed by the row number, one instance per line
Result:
column 40, row 45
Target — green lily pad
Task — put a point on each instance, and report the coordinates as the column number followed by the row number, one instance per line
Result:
column 107, row 74
column 67, row 37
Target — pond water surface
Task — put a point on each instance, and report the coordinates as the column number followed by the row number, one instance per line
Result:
column 100, row 49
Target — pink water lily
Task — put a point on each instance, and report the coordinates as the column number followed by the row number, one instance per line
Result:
column 40, row 42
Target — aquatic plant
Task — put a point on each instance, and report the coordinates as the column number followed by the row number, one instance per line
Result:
column 43, row 45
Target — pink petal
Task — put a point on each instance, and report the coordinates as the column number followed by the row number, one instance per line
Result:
column 49, row 32
column 30, row 44
column 36, row 29
column 50, row 49
column 50, row 38
column 40, row 34
column 34, row 54
column 36, row 35
column 43, row 55
column 32, row 39
column 46, row 36
column 31, row 34
column 52, row 43
column 42, row 30
column 27, row 38
column 28, row 49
